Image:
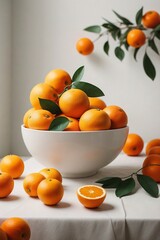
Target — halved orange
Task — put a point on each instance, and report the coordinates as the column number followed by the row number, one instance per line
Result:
column 91, row 196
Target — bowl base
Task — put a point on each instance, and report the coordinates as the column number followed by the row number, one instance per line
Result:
column 78, row 175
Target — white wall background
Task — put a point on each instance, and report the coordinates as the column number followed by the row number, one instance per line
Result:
column 44, row 34
column 5, row 75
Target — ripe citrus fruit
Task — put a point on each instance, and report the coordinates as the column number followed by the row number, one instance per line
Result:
column 6, row 184
column 152, row 171
column 151, row 19
column 152, row 143
column 58, row 79
column 13, row 165
column 73, row 124
column 96, row 102
column 117, row 115
column 136, row 38
column 16, row 228
column 42, row 90
column 133, row 145
column 93, row 120
column 154, row 150
column 51, row 173
column 40, row 119
column 84, row 46
column 3, row 235
column 50, row 191
column 91, row 196
column 26, row 116
column 31, row 182
column 74, row 102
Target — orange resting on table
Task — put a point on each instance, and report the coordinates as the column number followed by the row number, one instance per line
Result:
column 152, row 143
column 91, row 196
column 51, row 173
column 154, row 150
column 133, row 145
column 12, row 164
column 16, row 228
column 6, row 184
column 50, row 191
column 152, row 171
column 31, row 182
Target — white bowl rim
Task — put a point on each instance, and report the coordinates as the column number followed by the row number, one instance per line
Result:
column 73, row 132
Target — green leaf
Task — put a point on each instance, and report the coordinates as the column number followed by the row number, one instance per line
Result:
column 110, row 26
column 77, row 76
column 149, row 67
column 135, row 53
column 157, row 35
column 148, row 184
column 50, row 106
column 157, row 28
column 152, row 44
column 94, row 29
column 110, row 182
column 59, row 124
column 90, row 89
column 119, row 53
column 125, row 187
column 139, row 16
column 124, row 20
column 106, row 47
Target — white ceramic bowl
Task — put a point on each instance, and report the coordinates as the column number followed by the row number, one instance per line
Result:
column 75, row 154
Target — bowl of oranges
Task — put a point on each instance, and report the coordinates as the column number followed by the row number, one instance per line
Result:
column 70, row 127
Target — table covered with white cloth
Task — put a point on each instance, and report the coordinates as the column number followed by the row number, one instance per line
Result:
column 133, row 217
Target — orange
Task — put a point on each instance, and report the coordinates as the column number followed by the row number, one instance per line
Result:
column 16, row 228
column 91, row 196
column 152, row 143
column 84, row 46
column 151, row 19
column 42, row 90
column 117, row 115
column 6, row 184
column 40, row 119
column 31, row 182
column 93, row 120
column 58, row 79
column 3, row 235
column 74, row 102
column 133, row 145
column 154, row 150
column 26, row 115
column 73, row 124
column 50, row 191
column 51, row 173
column 96, row 102
column 152, row 171
column 13, row 165
column 136, row 38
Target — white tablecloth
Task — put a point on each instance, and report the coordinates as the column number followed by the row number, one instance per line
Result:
column 134, row 217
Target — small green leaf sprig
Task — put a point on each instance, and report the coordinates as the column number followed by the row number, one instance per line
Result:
column 118, row 32
column 61, row 122
column 125, row 186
